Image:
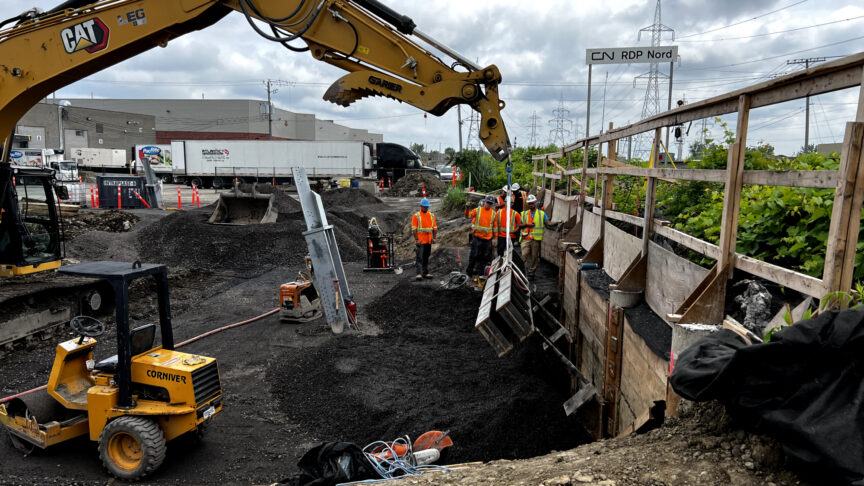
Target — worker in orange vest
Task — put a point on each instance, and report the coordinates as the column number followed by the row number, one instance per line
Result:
column 425, row 229
column 501, row 222
column 533, row 224
column 484, row 231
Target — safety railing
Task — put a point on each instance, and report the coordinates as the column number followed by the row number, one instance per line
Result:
column 557, row 169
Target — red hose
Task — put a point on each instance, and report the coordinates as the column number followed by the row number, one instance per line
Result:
column 188, row 341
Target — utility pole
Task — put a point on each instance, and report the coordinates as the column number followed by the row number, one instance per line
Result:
column 806, row 62
column 269, row 112
column 603, row 112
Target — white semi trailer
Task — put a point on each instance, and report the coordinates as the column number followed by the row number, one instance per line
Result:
column 217, row 163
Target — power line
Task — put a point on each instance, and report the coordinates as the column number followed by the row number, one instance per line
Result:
column 743, row 21
column 773, row 33
column 780, row 55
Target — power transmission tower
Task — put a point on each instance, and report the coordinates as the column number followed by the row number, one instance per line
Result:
column 806, row 63
column 473, row 140
column 559, row 133
column 651, row 105
column 532, row 142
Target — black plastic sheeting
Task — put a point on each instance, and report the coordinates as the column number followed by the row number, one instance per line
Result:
column 805, row 388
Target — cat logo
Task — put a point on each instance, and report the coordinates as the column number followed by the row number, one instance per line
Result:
column 90, row 35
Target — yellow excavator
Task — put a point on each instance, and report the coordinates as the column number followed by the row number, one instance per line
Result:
column 152, row 394
column 383, row 51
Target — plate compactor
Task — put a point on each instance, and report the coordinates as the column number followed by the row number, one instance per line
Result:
column 299, row 300
column 131, row 403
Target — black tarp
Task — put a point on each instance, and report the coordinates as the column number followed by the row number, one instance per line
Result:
column 804, row 388
column 332, row 463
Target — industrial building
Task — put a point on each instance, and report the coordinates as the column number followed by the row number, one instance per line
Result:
column 123, row 123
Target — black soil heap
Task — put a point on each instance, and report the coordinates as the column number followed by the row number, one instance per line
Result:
column 429, row 369
column 410, row 185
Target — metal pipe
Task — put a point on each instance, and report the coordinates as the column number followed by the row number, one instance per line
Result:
column 446, row 50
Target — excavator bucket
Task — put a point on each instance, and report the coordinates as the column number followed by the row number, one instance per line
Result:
column 245, row 208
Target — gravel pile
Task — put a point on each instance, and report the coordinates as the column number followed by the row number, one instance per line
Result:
column 111, row 220
column 411, row 184
column 348, row 197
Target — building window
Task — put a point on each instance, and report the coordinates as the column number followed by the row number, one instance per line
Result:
column 100, row 128
column 80, row 133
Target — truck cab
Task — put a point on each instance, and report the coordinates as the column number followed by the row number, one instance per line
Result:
column 394, row 160
column 65, row 170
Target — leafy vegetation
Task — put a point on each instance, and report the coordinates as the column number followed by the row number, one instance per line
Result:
column 455, row 199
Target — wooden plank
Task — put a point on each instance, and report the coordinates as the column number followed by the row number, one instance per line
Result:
column 627, row 218
column 707, row 307
column 818, row 179
column 706, row 175
column 824, row 78
column 620, row 249
column 735, row 185
column 700, row 246
column 556, row 177
column 838, row 233
column 669, row 280
column 634, row 277
column 787, row 278
column 590, row 229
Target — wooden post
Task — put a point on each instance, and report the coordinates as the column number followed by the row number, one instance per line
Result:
column 649, row 196
column 545, row 161
column 842, row 241
column 533, row 174
column 732, row 192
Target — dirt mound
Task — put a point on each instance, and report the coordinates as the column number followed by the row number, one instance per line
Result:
column 186, row 239
column 111, row 220
column 696, row 448
column 410, row 185
column 428, row 369
column 344, row 197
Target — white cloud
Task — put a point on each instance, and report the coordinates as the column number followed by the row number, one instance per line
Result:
column 538, row 44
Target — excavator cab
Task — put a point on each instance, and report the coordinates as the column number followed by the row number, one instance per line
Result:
column 30, row 229
column 131, row 403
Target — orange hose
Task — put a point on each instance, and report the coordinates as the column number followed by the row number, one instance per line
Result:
column 188, row 341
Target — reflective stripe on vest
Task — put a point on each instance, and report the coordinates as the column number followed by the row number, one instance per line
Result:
column 528, row 218
column 420, row 228
column 502, row 229
column 475, row 223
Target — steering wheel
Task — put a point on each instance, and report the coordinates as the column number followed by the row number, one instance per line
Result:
column 86, row 326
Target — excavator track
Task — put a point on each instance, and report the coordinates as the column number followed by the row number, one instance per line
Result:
column 33, row 308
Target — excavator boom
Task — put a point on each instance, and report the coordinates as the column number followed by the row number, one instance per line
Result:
column 382, row 51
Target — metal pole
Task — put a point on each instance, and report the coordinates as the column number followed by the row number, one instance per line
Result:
column 588, row 116
column 269, row 113
column 807, row 115
column 669, row 105
column 459, row 114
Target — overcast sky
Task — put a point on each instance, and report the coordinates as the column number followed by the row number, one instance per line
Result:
column 539, row 46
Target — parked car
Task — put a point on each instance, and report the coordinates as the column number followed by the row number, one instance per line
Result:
column 446, row 172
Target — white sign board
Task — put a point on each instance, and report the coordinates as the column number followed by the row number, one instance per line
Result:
column 631, row 55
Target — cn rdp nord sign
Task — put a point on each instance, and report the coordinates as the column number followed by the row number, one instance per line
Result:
column 631, row 55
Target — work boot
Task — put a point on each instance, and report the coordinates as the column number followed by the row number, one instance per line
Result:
column 428, row 275
column 418, row 277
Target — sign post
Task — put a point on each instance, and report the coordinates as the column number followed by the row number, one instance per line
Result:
column 629, row 55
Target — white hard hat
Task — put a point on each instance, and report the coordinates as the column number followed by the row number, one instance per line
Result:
column 532, row 199
column 515, row 186
column 504, row 188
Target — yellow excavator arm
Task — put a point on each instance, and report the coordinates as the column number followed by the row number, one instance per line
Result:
column 382, row 51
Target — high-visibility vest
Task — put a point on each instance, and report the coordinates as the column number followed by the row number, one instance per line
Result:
column 502, row 223
column 484, row 227
column 424, row 232
column 538, row 218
